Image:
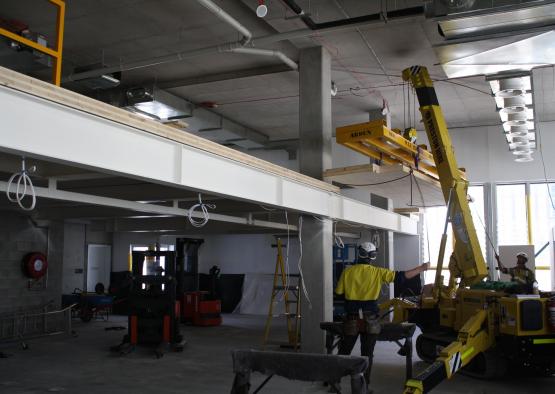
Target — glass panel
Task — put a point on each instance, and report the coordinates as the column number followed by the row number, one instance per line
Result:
column 543, row 222
column 434, row 222
column 478, row 217
column 512, row 227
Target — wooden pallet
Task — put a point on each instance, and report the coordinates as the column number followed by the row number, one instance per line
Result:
column 376, row 179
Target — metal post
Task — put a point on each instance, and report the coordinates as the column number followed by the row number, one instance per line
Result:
column 529, row 214
column 490, row 223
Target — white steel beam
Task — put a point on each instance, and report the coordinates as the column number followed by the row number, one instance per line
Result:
column 55, row 194
column 37, row 127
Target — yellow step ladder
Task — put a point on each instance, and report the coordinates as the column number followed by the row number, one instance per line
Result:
column 283, row 286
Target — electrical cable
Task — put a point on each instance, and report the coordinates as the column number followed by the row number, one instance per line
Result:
column 484, row 226
column 336, row 238
column 287, row 268
column 425, row 225
column 267, row 209
column 305, row 291
column 204, row 209
column 378, row 183
column 540, row 148
column 22, row 179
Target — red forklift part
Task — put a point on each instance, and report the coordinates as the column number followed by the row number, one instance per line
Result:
column 134, row 337
column 35, row 265
column 166, row 332
column 209, row 313
column 201, row 312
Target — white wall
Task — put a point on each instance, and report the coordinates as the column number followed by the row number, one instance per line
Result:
column 486, row 157
column 74, row 257
column 406, row 252
column 240, row 254
column 234, row 254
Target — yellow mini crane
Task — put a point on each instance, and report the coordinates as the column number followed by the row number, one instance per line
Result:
column 465, row 324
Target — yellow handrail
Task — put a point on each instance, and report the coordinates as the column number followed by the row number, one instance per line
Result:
column 55, row 53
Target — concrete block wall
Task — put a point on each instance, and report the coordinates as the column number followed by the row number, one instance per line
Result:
column 18, row 236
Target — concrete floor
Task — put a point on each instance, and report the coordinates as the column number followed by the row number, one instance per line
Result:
column 84, row 365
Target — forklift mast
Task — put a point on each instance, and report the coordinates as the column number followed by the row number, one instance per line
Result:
column 467, row 262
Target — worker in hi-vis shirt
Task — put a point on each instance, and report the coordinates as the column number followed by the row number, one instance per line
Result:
column 361, row 285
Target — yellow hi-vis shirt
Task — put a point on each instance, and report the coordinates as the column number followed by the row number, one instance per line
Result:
column 363, row 282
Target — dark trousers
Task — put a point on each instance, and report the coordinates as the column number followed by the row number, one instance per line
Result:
column 367, row 344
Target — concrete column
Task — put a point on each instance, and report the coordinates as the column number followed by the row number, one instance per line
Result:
column 315, row 135
column 317, row 272
column 315, row 131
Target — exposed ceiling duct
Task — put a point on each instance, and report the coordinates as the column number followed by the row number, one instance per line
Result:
column 474, row 18
column 488, row 37
column 157, row 104
column 164, row 106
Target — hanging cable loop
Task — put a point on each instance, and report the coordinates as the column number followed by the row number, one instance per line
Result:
column 23, row 187
column 204, row 209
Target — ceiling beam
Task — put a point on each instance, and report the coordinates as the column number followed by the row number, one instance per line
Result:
column 225, row 76
column 55, row 194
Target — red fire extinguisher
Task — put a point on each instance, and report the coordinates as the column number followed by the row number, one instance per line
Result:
column 551, row 312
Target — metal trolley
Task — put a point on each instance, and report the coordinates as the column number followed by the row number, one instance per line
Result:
column 34, row 323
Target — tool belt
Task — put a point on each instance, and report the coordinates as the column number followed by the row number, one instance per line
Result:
column 354, row 325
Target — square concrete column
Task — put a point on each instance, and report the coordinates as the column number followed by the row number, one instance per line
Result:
column 315, row 133
column 317, row 241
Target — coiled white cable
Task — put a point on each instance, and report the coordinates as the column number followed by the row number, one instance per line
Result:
column 204, row 209
column 337, row 238
column 22, row 180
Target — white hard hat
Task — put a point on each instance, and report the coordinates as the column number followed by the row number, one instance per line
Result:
column 368, row 247
column 523, row 255
column 367, row 250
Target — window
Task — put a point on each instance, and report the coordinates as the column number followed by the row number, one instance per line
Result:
column 543, row 223
column 477, row 210
column 512, row 226
column 434, row 222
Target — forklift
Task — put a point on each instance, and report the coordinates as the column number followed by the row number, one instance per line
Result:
column 154, row 309
column 199, row 308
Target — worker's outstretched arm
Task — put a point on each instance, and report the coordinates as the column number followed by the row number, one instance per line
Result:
column 502, row 268
column 416, row 270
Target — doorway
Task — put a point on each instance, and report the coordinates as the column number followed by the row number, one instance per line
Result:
column 99, row 265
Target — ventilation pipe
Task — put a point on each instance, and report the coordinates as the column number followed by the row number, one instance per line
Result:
column 224, row 16
column 266, row 52
column 223, row 48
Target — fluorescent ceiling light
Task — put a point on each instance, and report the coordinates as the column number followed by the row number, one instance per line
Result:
column 513, row 94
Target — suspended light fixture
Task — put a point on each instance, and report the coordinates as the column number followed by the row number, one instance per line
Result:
column 261, row 10
column 513, row 94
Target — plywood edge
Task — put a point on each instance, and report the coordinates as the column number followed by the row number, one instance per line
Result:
column 404, row 211
column 44, row 90
column 349, row 170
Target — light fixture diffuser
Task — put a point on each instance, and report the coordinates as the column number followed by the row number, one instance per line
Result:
column 513, row 95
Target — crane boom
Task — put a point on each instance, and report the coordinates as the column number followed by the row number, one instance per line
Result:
column 469, row 262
